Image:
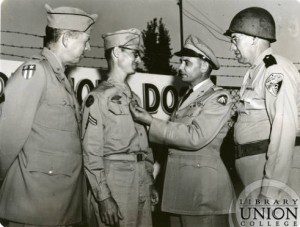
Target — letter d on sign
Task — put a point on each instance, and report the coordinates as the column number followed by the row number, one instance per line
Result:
column 151, row 107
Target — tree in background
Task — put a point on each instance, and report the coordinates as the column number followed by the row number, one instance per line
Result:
column 157, row 48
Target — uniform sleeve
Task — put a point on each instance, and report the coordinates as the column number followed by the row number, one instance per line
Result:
column 282, row 109
column 93, row 139
column 22, row 95
column 149, row 158
column 199, row 132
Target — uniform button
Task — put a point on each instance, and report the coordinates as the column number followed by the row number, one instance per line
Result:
column 50, row 172
column 64, row 102
column 141, row 134
column 198, row 165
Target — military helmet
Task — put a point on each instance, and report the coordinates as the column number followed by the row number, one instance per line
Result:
column 253, row 21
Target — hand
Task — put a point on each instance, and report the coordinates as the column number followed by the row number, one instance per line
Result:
column 109, row 212
column 139, row 114
column 153, row 196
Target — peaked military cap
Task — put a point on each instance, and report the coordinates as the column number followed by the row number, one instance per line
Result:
column 194, row 47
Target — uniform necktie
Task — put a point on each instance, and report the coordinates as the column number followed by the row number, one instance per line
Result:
column 187, row 94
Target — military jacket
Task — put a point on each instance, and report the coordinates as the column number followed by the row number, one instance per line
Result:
column 109, row 130
column 41, row 156
column 269, row 109
column 196, row 180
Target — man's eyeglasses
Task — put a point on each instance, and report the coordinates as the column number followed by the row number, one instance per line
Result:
column 136, row 53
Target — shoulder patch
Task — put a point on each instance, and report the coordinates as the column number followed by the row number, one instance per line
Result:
column 274, row 82
column 90, row 100
column 222, row 99
column 28, row 71
column 269, row 60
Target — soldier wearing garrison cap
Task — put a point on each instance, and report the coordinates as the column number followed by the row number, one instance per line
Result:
column 40, row 148
column 268, row 115
column 117, row 159
column 197, row 186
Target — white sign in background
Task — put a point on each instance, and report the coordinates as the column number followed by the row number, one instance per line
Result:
column 153, row 89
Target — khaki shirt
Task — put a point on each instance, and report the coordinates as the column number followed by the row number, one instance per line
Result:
column 108, row 130
column 269, row 109
column 196, row 180
column 40, row 149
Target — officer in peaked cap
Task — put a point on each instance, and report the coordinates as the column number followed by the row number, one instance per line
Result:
column 266, row 129
column 40, row 149
column 197, row 187
column 117, row 159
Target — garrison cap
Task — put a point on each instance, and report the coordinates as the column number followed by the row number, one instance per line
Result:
column 194, row 47
column 69, row 18
column 131, row 38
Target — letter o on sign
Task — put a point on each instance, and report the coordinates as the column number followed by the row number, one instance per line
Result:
column 3, row 79
column 80, row 87
column 168, row 109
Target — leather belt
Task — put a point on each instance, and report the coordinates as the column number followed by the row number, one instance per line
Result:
column 138, row 157
column 260, row 147
column 297, row 141
column 248, row 149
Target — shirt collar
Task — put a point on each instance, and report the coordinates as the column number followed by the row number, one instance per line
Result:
column 202, row 84
column 122, row 86
column 259, row 59
column 54, row 61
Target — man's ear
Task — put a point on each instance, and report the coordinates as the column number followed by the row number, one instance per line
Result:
column 204, row 66
column 116, row 52
column 65, row 39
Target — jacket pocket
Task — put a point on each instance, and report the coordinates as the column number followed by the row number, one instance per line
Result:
column 57, row 113
column 118, row 109
column 53, row 163
column 121, row 173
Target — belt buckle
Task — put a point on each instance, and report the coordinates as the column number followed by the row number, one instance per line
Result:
column 139, row 157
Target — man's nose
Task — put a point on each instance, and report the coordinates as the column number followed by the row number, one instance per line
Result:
column 138, row 59
column 233, row 47
column 87, row 47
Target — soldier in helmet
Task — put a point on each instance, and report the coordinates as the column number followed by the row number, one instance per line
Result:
column 267, row 126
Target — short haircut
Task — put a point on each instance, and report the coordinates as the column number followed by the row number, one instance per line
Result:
column 210, row 68
column 53, row 35
column 107, row 54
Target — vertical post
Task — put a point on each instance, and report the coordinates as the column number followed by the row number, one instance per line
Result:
column 181, row 25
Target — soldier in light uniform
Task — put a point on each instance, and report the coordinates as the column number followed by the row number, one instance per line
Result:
column 197, row 186
column 267, row 124
column 117, row 159
column 40, row 149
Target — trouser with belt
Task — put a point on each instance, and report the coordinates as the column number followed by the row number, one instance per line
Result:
column 251, row 159
column 129, row 183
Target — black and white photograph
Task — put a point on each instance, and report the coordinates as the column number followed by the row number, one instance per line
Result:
column 149, row 113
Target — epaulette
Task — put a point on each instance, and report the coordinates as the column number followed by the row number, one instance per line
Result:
column 269, row 60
